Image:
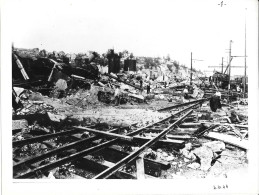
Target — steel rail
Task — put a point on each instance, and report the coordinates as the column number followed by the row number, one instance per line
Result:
column 103, row 133
column 108, row 172
column 161, row 121
column 180, row 105
column 87, row 151
column 50, row 153
column 44, row 137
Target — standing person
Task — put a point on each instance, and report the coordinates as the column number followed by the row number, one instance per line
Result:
column 215, row 101
column 117, row 96
column 241, row 89
column 220, row 84
column 148, row 88
column 141, row 83
column 185, row 93
column 238, row 88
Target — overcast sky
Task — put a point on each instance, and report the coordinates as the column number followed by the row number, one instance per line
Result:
column 143, row 27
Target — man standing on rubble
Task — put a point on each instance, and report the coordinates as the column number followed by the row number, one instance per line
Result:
column 215, row 101
column 238, row 88
column 185, row 93
column 148, row 88
column 141, row 83
column 117, row 95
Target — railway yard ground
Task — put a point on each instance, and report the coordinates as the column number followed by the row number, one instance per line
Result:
column 166, row 136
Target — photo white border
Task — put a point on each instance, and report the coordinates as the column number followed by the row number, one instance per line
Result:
column 240, row 185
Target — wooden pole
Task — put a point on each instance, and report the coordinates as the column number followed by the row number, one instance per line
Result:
column 244, row 84
column 191, row 69
column 222, row 66
column 229, row 73
column 140, row 167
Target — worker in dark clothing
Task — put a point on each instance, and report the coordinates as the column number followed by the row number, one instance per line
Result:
column 185, row 93
column 141, row 83
column 215, row 101
column 117, row 95
column 148, row 88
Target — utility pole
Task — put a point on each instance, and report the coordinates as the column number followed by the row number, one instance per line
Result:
column 222, row 65
column 229, row 73
column 244, row 84
column 191, row 66
column 191, row 69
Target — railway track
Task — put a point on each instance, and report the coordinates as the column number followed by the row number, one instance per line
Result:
column 102, row 143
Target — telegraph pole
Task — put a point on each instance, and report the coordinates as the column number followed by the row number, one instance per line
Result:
column 245, row 58
column 191, row 69
column 229, row 73
column 191, row 66
column 222, row 65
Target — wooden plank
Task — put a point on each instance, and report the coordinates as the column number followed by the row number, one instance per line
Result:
column 229, row 124
column 211, row 123
column 182, row 137
column 91, row 165
column 183, row 125
column 140, row 167
column 229, row 139
column 176, row 143
column 114, row 135
column 185, row 130
column 176, row 132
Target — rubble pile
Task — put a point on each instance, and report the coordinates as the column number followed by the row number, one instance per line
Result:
column 119, row 117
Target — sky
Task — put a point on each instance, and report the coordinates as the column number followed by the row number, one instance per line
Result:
column 144, row 27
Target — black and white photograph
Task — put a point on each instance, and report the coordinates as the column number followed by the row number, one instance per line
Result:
column 129, row 97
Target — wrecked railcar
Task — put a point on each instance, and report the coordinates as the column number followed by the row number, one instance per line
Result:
column 43, row 70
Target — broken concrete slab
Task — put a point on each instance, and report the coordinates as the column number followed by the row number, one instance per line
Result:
column 19, row 124
column 205, row 156
column 187, row 153
column 194, row 165
column 229, row 139
column 56, row 118
column 206, row 153
column 216, row 146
